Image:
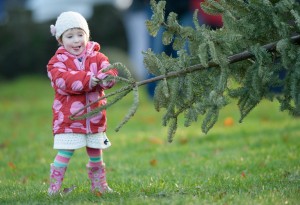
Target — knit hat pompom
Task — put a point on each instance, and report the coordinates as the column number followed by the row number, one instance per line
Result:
column 68, row 20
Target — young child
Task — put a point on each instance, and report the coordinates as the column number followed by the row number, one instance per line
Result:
column 76, row 76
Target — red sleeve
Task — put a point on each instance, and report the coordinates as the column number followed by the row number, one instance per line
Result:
column 104, row 63
column 68, row 82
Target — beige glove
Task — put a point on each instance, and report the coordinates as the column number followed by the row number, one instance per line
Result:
column 94, row 81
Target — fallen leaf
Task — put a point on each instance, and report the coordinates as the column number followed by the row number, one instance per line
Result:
column 149, row 120
column 4, row 144
column 12, row 165
column 228, row 122
column 98, row 193
column 183, row 140
column 243, row 175
column 155, row 140
column 153, row 162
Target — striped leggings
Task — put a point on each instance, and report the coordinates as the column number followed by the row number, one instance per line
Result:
column 63, row 157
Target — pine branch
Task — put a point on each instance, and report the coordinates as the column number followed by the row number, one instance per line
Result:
column 133, row 109
column 231, row 59
column 134, row 85
column 125, row 89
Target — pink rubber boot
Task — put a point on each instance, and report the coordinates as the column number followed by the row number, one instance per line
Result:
column 97, row 176
column 56, row 179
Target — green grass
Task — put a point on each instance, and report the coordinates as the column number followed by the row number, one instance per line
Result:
column 255, row 162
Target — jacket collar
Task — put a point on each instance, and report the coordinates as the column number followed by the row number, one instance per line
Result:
column 90, row 48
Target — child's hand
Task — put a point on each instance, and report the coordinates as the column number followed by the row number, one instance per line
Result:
column 108, row 81
column 94, row 81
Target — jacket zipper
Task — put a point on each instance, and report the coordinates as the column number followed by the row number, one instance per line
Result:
column 88, row 121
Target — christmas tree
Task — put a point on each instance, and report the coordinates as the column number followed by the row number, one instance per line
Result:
column 242, row 60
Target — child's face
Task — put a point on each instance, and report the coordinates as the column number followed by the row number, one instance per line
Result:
column 74, row 40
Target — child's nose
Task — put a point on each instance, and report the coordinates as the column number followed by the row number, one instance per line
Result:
column 76, row 39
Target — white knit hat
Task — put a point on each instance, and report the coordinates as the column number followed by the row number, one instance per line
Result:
column 68, row 20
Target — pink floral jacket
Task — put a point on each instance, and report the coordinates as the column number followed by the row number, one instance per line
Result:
column 71, row 78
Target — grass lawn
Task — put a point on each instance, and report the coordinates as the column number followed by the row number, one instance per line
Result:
column 255, row 162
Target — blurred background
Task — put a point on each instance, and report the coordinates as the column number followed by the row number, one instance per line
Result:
column 26, row 44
